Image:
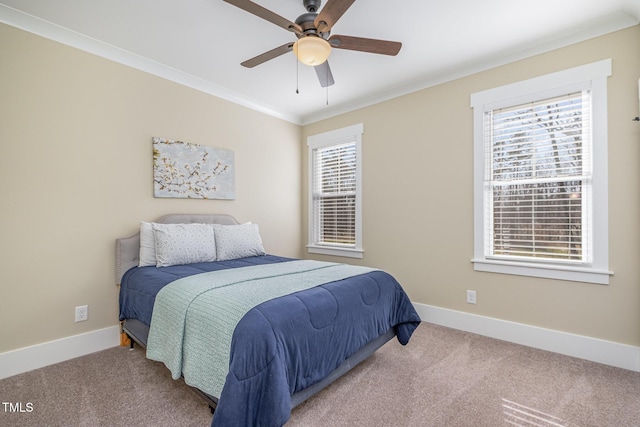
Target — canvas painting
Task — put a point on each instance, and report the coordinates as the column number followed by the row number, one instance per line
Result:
column 186, row 170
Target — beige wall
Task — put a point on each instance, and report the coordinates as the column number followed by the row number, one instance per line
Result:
column 76, row 169
column 418, row 199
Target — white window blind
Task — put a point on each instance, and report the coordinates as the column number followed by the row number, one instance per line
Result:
column 334, row 195
column 539, row 179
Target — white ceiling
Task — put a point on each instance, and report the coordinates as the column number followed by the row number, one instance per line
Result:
column 201, row 43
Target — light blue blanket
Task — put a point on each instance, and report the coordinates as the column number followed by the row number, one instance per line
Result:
column 194, row 318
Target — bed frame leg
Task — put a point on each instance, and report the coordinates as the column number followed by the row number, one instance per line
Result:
column 125, row 339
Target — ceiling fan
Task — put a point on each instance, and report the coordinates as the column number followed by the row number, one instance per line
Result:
column 314, row 42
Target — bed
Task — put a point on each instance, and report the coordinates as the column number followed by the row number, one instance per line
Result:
column 254, row 334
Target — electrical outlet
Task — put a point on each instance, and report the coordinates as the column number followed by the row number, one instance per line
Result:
column 471, row 297
column 82, row 313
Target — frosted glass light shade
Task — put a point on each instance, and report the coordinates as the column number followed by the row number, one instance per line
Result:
column 311, row 50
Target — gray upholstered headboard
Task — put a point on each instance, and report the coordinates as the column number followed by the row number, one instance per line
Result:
column 128, row 248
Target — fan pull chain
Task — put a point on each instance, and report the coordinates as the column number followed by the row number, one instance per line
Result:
column 327, row 101
column 297, row 79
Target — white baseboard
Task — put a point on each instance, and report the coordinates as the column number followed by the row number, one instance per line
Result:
column 596, row 350
column 580, row 346
column 40, row 355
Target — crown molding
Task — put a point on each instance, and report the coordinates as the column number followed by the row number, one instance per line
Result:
column 57, row 33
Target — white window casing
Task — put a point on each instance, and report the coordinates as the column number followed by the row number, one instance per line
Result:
column 335, row 192
column 509, row 172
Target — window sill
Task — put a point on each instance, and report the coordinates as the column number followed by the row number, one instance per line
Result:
column 547, row 271
column 335, row 251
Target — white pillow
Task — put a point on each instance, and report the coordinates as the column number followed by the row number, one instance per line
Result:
column 237, row 241
column 183, row 244
column 147, row 245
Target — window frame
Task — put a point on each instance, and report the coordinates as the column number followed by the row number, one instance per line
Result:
column 593, row 77
column 336, row 137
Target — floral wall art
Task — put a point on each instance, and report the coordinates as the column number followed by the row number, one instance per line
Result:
column 186, row 170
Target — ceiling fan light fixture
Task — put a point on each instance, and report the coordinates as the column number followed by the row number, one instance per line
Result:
column 312, row 50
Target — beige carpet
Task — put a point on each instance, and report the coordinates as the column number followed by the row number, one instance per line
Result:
column 442, row 378
column 445, row 377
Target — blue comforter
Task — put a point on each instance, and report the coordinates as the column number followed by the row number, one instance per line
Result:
column 286, row 344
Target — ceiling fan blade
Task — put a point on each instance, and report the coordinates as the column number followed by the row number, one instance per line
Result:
column 330, row 14
column 263, row 13
column 323, row 71
column 273, row 53
column 362, row 44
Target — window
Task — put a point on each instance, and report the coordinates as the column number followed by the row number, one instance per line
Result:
column 335, row 200
column 540, row 176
